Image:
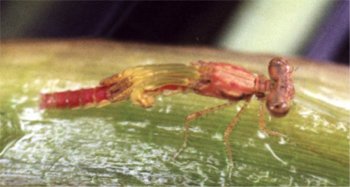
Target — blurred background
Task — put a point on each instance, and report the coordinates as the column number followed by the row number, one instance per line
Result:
column 315, row 29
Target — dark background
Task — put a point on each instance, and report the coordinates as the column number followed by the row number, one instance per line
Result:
column 174, row 23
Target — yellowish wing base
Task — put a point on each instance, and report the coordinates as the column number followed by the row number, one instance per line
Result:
column 143, row 79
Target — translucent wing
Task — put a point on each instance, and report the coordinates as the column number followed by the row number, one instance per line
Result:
column 145, row 81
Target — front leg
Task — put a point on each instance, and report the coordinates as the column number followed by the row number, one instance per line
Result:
column 228, row 132
column 262, row 123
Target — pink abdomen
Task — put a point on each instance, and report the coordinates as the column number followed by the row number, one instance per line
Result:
column 74, row 98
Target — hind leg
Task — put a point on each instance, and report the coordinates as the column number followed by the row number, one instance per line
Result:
column 194, row 116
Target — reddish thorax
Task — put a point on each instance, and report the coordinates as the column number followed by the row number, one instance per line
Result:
column 225, row 81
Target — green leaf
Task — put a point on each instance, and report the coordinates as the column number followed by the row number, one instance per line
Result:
column 123, row 144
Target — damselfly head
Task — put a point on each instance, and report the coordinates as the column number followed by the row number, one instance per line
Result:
column 279, row 100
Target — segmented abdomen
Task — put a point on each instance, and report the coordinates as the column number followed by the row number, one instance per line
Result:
column 74, row 98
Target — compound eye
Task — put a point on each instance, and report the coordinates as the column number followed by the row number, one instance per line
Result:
column 278, row 109
column 278, row 67
column 277, row 105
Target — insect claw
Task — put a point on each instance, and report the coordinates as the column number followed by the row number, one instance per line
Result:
column 178, row 153
column 273, row 133
column 230, row 167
